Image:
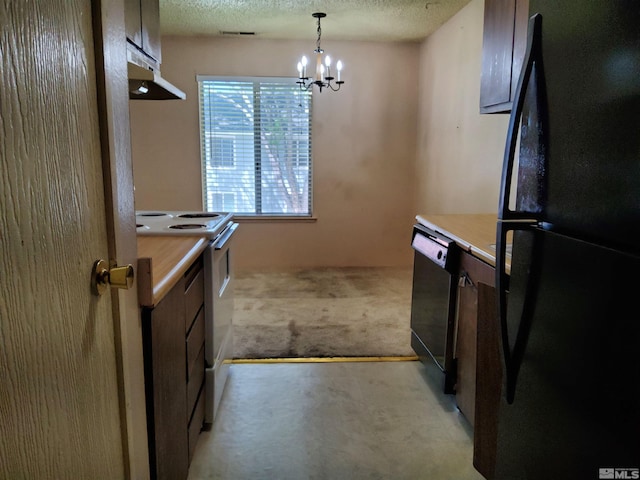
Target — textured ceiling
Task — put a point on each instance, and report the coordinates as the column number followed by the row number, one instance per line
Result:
column 382, row 20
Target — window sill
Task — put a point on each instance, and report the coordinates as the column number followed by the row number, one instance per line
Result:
column 273, row 219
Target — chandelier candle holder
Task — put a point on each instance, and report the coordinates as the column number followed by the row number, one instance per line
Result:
column 322, row 78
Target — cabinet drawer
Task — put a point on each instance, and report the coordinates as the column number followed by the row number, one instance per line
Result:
column 195, row 340
column 195, row 425
column 195, row 382
column 194, row 297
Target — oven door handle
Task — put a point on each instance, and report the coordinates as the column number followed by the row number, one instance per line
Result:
column 224, row 237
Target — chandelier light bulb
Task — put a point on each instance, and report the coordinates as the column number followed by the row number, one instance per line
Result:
column 302, row 69
column 327, row 62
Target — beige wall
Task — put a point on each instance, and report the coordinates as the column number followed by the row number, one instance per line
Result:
column 363, row 149
column 380, row 156
column 459, row 151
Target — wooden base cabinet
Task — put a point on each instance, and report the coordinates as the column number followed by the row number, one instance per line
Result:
column 173, row 336
column 489, row 384
column 472, row 272
column 479, row 379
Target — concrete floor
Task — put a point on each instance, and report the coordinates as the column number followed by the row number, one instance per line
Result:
column 334, row 421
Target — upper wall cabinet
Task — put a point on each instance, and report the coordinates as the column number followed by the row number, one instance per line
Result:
column 142, row 23
column 503, row 46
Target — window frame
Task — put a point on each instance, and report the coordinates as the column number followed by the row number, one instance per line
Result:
column 296, row 162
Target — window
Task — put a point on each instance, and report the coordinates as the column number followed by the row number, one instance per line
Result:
column 256, row 146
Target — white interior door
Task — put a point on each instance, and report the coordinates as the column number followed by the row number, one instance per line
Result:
column 59, row 403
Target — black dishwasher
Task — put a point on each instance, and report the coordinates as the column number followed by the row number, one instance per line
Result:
column 433, row 300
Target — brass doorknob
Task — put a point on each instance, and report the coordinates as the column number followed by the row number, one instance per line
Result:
column 117, row 277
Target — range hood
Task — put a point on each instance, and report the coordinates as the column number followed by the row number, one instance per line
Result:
column 145, row 83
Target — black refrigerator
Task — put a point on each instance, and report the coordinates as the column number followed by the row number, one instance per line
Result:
column 569, row 311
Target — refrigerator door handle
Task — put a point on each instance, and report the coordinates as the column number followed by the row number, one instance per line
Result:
column 513, row 355
column 533, row 55
column 502, row 281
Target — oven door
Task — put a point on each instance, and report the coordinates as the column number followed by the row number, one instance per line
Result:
column 219, row 281
column 220, row 291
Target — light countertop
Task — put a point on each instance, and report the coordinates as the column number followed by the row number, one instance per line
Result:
column 475, row 233
column 161, row 263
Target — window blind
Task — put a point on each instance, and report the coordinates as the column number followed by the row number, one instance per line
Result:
column 255, row 146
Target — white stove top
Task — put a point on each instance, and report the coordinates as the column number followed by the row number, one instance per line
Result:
column 161, row 222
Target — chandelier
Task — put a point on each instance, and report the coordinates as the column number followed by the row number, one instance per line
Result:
column 322, row 78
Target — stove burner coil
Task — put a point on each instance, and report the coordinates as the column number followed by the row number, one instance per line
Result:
column 187, row 226
column 153, row 214
column 199, row 215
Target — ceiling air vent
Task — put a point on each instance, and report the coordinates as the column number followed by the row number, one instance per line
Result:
column 225, row 32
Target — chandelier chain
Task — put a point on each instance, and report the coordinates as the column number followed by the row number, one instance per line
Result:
column 319, row 50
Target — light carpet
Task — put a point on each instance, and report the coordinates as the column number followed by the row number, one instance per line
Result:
column 323, row 312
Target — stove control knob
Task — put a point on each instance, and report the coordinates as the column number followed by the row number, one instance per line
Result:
column 116, row 277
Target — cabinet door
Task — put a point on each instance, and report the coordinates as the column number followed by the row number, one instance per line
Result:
column 472, row 272
column 503, row 47
column 489, row 385
column 520, row 28
column 165, row 357
column 133, row 22
column 150, row 15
